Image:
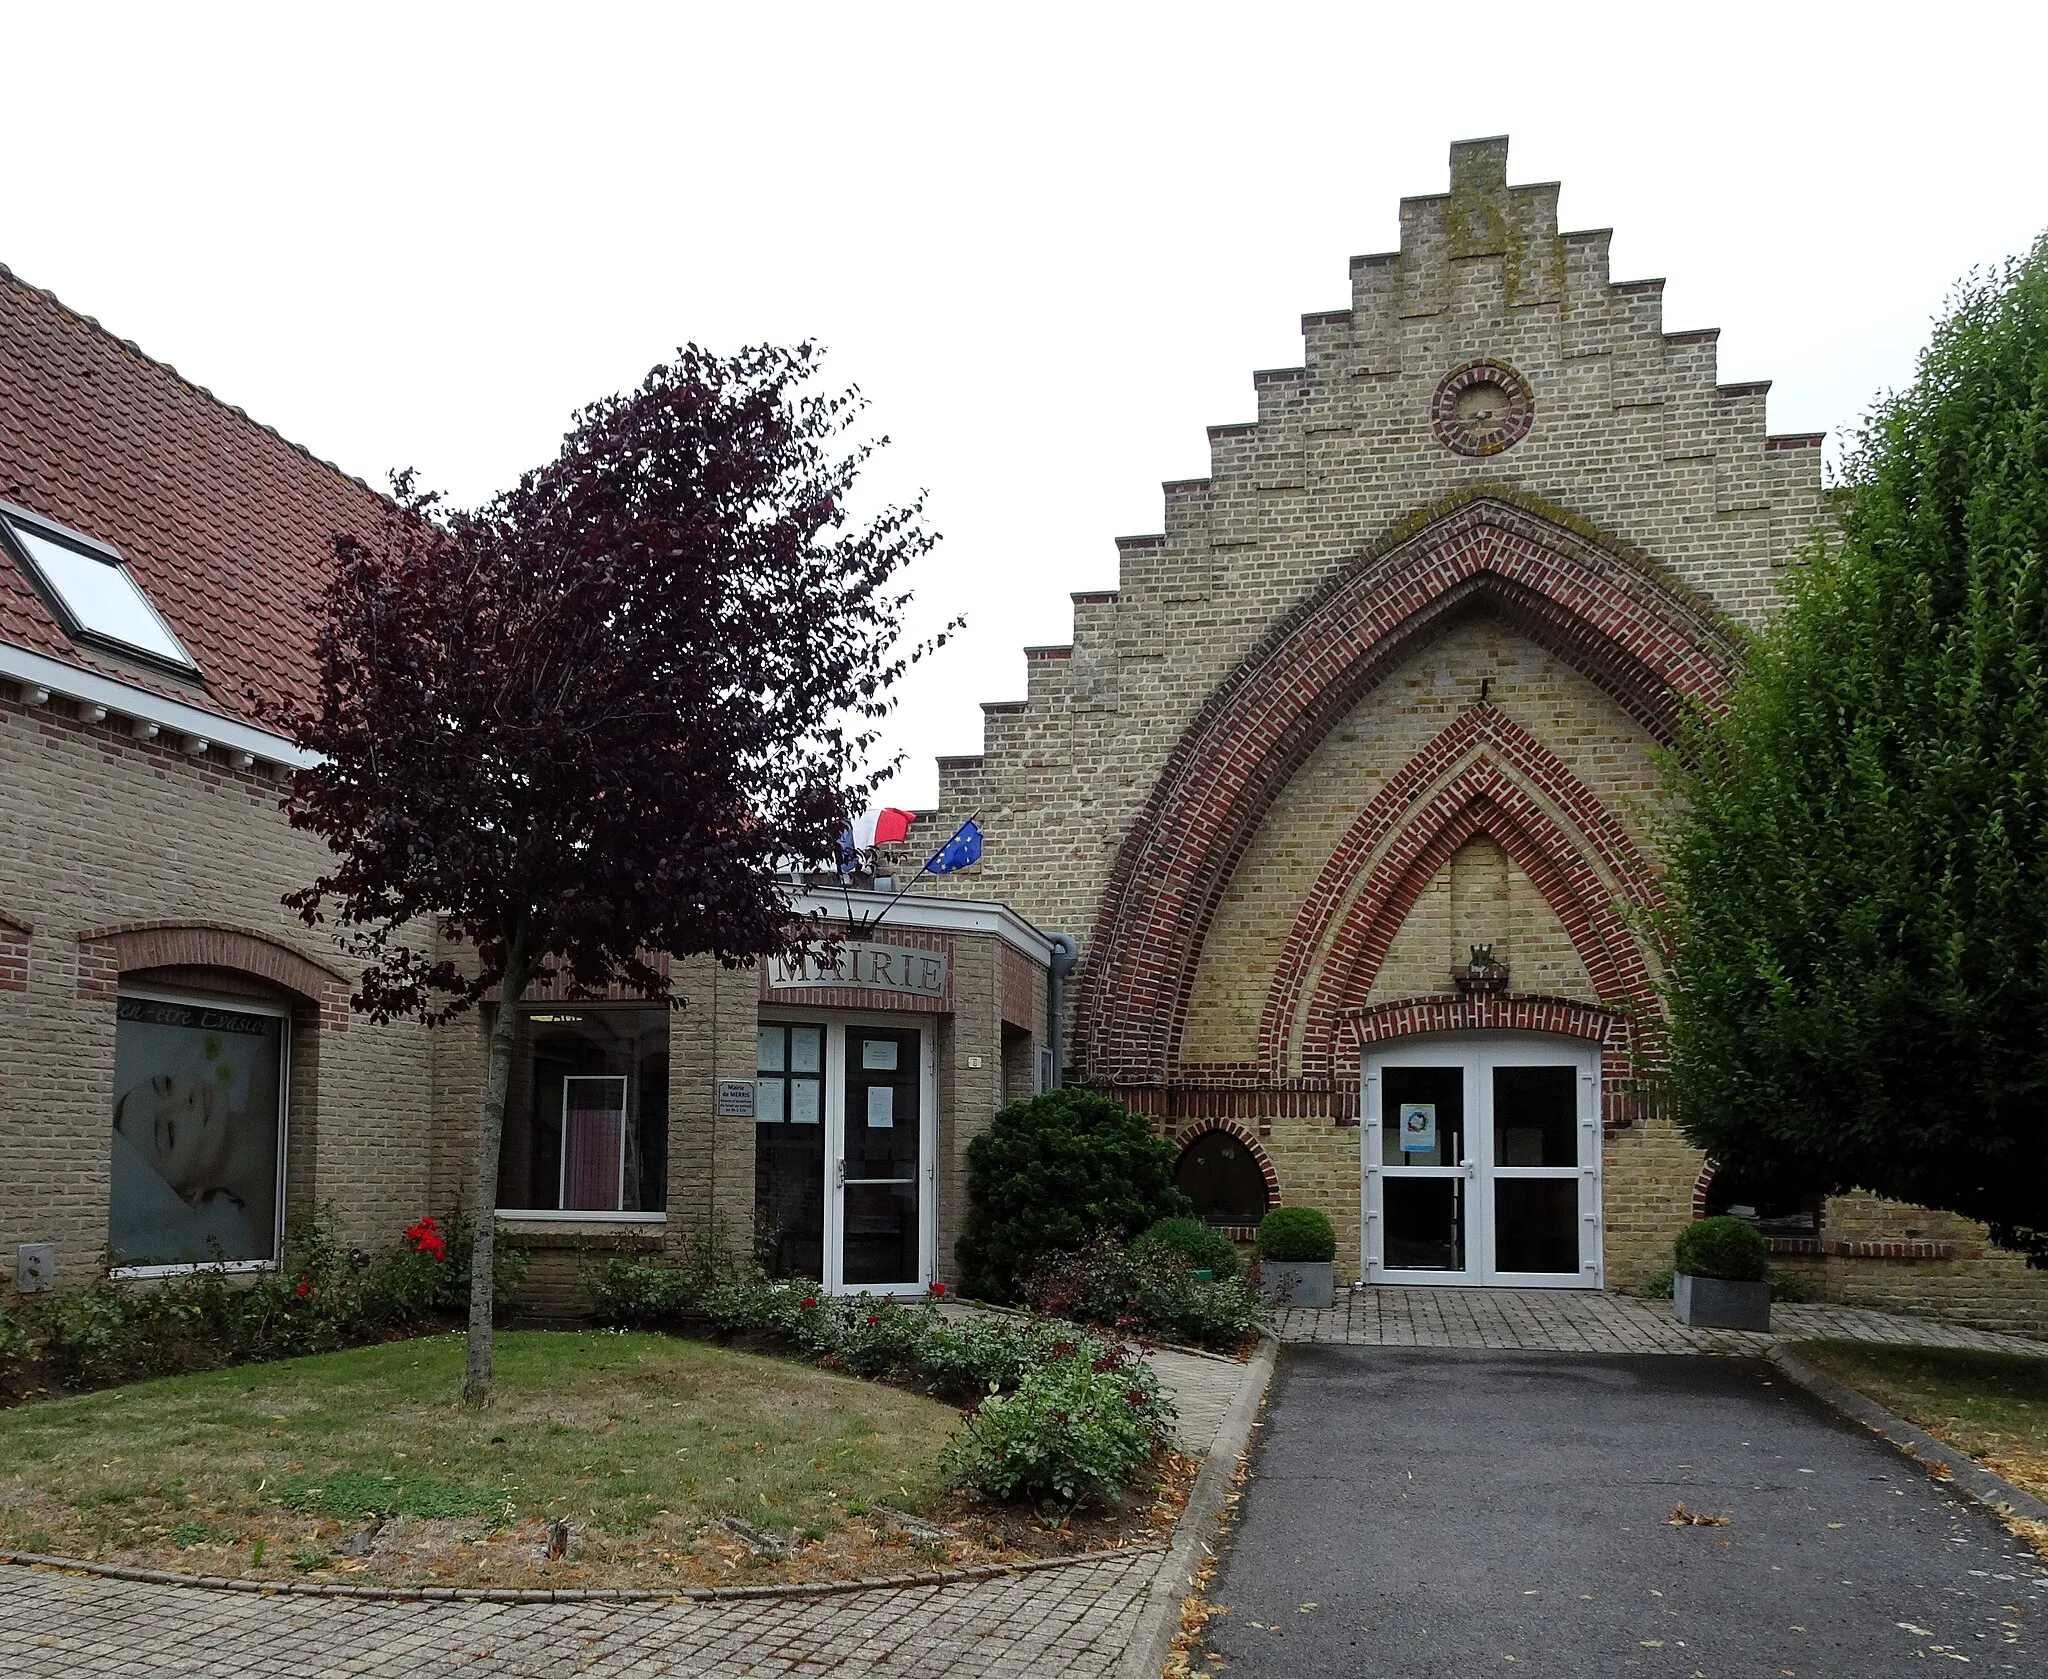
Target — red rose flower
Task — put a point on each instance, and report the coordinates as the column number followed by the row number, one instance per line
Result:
column 304, row 1289
column 806, row 1305
column 938, row 1290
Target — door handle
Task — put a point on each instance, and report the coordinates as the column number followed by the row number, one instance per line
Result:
column 1468, row 1167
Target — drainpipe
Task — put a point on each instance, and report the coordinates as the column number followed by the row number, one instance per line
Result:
column 1066, row 951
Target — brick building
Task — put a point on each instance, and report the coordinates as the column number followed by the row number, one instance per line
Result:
column 179, row 1069
column 1350, row 781
column 1346, row 791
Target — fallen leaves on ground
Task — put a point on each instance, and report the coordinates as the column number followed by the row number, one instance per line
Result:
column 1682, row 1517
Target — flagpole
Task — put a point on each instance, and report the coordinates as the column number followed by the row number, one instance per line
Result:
column 870, row 926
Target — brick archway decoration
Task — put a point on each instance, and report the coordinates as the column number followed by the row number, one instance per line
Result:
column 1701, row 1185
column 1483, row 774
column 1639, row 636
column 106, row 953
column 1188, row 1135
column 1560, row 1017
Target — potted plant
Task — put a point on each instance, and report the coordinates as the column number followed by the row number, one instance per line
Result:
column 1297, row 1254
column 1719, row 1276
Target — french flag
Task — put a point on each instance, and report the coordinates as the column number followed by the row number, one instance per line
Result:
column 887, row 826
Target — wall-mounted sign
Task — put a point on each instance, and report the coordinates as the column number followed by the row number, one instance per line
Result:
column 736, row 1099
column 874, row 967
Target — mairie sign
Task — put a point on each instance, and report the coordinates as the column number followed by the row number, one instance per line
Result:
column 874, row 967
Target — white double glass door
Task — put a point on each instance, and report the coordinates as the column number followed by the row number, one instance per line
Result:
column 845, row 1150
column 1482, row 1163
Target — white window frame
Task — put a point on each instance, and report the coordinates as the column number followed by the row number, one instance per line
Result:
column 835, row 1023
column 241, row 1005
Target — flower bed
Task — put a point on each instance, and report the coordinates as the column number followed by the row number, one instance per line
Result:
column 1056, row 1416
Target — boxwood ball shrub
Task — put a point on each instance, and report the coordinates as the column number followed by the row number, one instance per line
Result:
column 1297, row 1236
column 1203, row 1248
column 1727, row 1248
column 1052, row 1171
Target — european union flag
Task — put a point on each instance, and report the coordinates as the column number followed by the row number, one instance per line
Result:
column 958, row 852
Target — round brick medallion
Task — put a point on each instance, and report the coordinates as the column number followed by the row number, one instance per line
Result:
column 1482, row 408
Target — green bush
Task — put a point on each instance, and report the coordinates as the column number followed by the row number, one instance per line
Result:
column 320, row 1297
column 1049, row 1173
column 15, row 1349
column 1297, row 1236
column 1727, row 1248
column 1144, row 1288
column 1203, row 1248
column 1074, row 1432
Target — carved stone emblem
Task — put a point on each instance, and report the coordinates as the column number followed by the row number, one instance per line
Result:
column 1482, row 408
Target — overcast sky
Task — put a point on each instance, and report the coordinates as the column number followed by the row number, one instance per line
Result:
column 1050, row 243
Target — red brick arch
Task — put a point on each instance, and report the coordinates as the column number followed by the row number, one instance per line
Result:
column 1641, row 638
column 1483, row 774
column 106, row 953
column 1189, row 1135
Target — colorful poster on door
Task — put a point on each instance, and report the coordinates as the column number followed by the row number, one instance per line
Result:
column 1418, row 1128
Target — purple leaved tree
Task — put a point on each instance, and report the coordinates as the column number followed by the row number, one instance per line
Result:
column 589, row 719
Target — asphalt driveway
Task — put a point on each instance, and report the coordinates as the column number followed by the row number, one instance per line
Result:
column 1450, row 1513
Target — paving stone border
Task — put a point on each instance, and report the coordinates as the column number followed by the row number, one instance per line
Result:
column 1965, row 1474
column 1159, row 1609
column 589, row 1594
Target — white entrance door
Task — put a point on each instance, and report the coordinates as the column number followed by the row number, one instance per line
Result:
column 846, row 1128
column 1482, row 1163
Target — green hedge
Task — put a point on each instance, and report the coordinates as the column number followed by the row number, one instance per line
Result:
column 1144, row 1288
column 1297, row 1236
column 1202, row 1247
column 1056, row 1415
column 1726, row 1248
column 1049, row 1173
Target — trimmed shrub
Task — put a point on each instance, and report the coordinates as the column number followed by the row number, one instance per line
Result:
column 1726, row 1248
column 1049, row 1173
column 1203, row 1248
column 1074, row 1432
column 320, row 1297
column 15, row 1349
column 1144, row 1288
column 1297, row 1236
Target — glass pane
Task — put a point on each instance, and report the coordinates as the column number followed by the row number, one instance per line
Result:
column 789, row 1197
column 587, row 1060
column 768, row 1049
column 1422, row 1116
column 806, row 1049
column 1536, row 1224
column 593, row 1144
column 1535, row 1116
column 768, row 1101
column 1218, row 1174
column 881, row 1107
column 197, row 1091
column 100, row 595
column 881, row 1232
column 1424, row 1223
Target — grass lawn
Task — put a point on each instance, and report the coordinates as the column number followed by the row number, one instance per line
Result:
column 1991, row 1406
column 640, row 1441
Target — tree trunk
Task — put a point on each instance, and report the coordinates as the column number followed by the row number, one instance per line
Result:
column 483, row 1199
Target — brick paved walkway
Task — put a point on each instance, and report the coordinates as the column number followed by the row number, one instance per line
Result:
column 1575, row 1321
column 1072, row 1621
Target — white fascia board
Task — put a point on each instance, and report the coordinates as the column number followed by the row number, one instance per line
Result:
column 36, row 670
column 932, row 915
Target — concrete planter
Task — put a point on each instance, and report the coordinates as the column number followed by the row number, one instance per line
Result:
column 1298, row 1282
column 1715, row 1303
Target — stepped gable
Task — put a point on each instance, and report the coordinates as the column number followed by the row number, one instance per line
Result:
column 1611, row 429
column 226, row 525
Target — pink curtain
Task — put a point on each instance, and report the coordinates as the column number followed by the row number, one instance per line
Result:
column 591, row 1138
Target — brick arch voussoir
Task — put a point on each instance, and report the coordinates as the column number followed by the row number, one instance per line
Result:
column 1482, row 733
column 106, row 953
column 1193, row 1132
column 1643, row 640
column 1615, row 1032
column 1481, row 801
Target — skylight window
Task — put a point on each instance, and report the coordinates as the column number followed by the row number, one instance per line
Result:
column 93, row 591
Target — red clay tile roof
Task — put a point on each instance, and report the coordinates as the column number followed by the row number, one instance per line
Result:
column 228, row 526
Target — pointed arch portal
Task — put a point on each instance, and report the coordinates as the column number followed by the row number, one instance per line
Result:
column 1645, row 640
